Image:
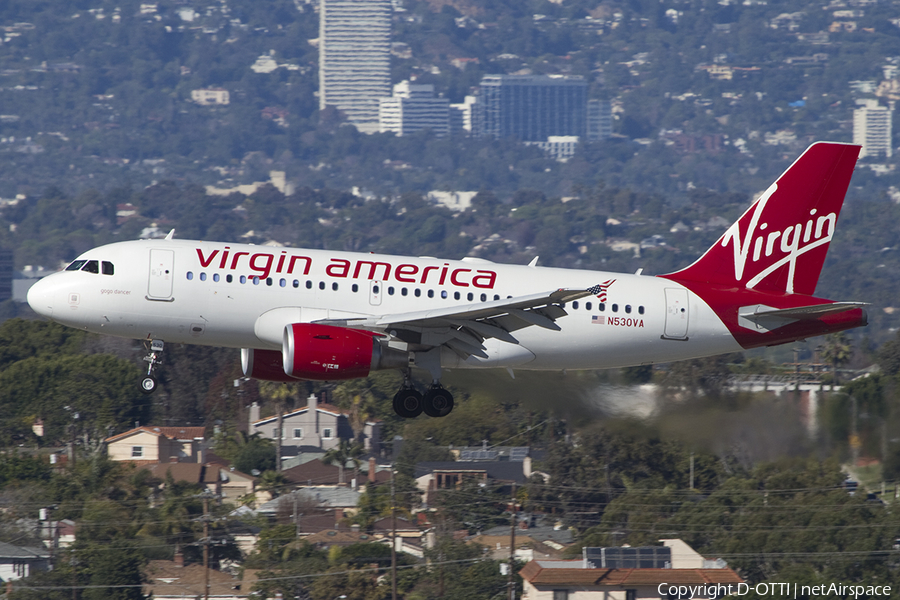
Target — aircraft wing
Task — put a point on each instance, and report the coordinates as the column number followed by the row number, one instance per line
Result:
column 464, row 328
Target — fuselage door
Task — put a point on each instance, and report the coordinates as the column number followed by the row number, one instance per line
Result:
column 376, row 289
column 676, row 314
column 162, row 273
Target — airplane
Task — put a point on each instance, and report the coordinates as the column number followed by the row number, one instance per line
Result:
column 302, row 314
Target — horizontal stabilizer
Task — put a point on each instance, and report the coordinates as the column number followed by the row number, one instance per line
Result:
column 765, row 318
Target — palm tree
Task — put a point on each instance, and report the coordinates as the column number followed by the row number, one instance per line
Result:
column 837, row 350
column 346, row 451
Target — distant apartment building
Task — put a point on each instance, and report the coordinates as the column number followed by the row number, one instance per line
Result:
column 413, row 107
column 211, row 96
column 599, row 120
column 532, row 107
column 354, row 58
column 461, row 115
column 6, row 274
column 872, row 128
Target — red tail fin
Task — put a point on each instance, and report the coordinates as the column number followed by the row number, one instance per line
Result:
column 779, row 244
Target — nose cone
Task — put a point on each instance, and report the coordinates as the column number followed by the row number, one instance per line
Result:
column 42, row 296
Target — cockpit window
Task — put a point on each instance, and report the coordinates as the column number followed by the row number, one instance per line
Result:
column 91, row 266
column 76, row 265
column 108, row 268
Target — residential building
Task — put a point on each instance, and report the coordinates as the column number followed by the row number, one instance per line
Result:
column 872, row 128
column 623, row 573
column 461, row 115
column 211, row 96
column 558, row 147
column 599, row 120
column 531, row 107
column 18, row 562
column 149, row 445
column 167, row 579
column 315, row 427
column 354, row 58
column 6, row 274
column 455, row 201
column 412, row 108
column 434, row 476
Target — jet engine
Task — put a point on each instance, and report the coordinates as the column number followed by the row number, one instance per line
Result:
column 265, row 365
column 327, row 353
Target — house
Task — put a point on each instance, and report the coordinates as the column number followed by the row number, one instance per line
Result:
column 433, row 476
column 624, row 573
column 229, row 484
column 167, row 579
column 317, row 426
column 150, row 445
column 18, row 562
column 542, row 542
column 207, row 97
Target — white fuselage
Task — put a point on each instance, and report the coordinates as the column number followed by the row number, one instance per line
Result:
column 243, row 296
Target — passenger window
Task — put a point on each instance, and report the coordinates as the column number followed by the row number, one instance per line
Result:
column 243, row 279
column 601, row 307
column 354, row 288
column 575, row 305
column 202, row 276
column 334, row 286
column 628, row 309
column 296, row 283
column 309, row 285
column 587, row 306
column 376, row 289
column 431, row 293
column 268, row 281
column 282, row 282
column 484, row 297
column 255, row 280
column 390, row 290
column 107, row 268
column 418, row 292
column 91, row 266
column 470, row 296
column 321, row 285
column 190, row 275
column 76, row 265
column 444, row 294
column 216, row 277
column 456, row 295
column 403, row 291
column 229, row 278
column 640, row 310
column 496, row 297
column 615, row 308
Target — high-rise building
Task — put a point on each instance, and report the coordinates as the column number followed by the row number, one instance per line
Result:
column 532, row 107
column 412, row 108
column 872, row 128
column 355, row 58
column 599, row 120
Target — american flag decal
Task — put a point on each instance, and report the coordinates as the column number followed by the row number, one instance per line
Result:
column 598, row 320
column 600, row 289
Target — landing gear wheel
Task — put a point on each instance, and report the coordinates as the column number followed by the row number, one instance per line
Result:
column 408, row 403
column 148, row 384
column 438, row 402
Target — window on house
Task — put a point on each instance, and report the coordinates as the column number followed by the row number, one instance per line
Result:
column 630, row 594
column 275, row 433
column 560, row 594
column 298, row 433
column 137, row 451
column 326, row 433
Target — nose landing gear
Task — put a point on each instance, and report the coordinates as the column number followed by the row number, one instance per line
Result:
column 148, row 381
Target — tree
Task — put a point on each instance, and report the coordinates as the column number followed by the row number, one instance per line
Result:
column 343, row 453
column 837, row 350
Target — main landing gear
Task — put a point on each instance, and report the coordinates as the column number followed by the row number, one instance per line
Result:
column 148, row 381
column 409, row 403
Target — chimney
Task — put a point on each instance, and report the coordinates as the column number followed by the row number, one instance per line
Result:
column 313, row 404
column 355, row 528
column 371, row 469
column 254, row 416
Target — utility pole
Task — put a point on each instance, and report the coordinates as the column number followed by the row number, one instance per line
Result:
column 393, row 540
column 511, row 584
column 296, row 514
column 278, row 439
column 206, row 545
column 692, row 471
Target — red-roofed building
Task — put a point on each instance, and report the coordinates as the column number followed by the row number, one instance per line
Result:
column 317, row 425
column 150, row 445
column 585, row 580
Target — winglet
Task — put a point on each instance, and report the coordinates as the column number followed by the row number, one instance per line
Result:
column 171, row 235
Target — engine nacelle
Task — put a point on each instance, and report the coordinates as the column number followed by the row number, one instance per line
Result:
column 266, row 365
column 327, row 353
